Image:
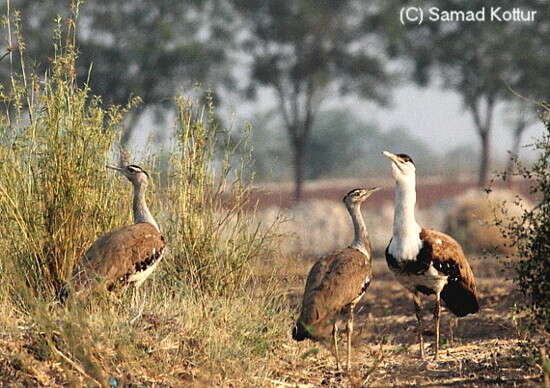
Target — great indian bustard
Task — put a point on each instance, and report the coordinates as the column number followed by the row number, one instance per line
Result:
column 426, row 261
column 337, row 282
column 126, row 255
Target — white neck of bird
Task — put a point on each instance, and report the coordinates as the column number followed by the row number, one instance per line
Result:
column 140, row 209
column 360, row 236
column 405, row 243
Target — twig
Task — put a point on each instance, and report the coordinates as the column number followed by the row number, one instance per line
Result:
column 293, row 385
column 377, row 362
column 74, row 365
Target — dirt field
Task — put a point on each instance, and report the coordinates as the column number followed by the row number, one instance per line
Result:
column 487, row 352
column 429, row 191
column 487, row 349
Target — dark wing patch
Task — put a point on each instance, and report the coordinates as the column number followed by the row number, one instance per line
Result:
column 412, row 267
column 459, row 294
column 390, row 260
column 365, row 286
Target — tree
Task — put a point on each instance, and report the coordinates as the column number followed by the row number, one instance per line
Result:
column 341, row 145
column 481, row 61
column 338, row 145
column 523, row 116
column 303, row 50
column 145, row 48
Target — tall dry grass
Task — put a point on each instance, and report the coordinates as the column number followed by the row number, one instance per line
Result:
column 55, row 196
column 214, row 238
column 204, row 318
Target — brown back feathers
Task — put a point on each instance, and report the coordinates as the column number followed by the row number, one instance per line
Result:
column 118, row 255
column 459, row 294
column 334, row 282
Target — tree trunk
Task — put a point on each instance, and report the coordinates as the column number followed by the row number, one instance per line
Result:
column 129, row 127
column 485, row 158
column 513, row 156
column 298, row 156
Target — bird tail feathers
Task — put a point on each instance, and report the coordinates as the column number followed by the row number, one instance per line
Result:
column 459, row 299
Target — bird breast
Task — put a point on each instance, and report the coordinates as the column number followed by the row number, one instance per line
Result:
column 431, row 279
column 405, row 248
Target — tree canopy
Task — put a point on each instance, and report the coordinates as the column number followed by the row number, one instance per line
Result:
column 482, row 61
column 304, row 50
column 145, row 48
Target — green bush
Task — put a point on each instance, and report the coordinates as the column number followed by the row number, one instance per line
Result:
column 530, row 234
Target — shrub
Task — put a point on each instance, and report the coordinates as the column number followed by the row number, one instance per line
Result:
column 213, row 236
column 529, row 233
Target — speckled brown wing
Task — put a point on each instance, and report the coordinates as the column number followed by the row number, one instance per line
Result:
column 447, row 256
column 333, row 283
column 118, row 255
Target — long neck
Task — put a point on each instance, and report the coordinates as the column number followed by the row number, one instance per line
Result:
column 404, row 221
column 140, row 209
column 360, row 234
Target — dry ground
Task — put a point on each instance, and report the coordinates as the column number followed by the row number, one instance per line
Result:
column 487, row 349
column 430, row 190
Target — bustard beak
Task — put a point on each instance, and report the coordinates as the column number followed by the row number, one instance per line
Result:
column 113, row 167
column 391, row 156
column 371, row 191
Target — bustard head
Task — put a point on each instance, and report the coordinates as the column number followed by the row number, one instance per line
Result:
column 358, row 196
column 135, row 174
column 403, row 168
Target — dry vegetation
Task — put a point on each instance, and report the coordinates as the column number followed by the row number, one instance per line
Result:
column 219, row 310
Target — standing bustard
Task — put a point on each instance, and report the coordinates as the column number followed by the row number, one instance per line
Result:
column 129, row 254
column 426, row 261
column 336, row 282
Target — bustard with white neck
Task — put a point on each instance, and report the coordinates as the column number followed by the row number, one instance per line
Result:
column 129, row 254
column 426, row 261
column 337, row 282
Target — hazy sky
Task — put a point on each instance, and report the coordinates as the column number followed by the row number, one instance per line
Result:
column 433, row 115
column 437, row 117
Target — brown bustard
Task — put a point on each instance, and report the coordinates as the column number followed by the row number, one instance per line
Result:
column 426, row 261
column 337, row 282
column 126, row 255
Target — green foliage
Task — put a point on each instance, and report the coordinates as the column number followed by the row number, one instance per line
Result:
column 471, row 61
column 529, row 233
column 341, row 145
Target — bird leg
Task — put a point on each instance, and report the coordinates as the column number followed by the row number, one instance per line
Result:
column 418, row 311
column 349, row 331
column 437, row 314
column 137, row 303
column 335, row 343
column 452, row 324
